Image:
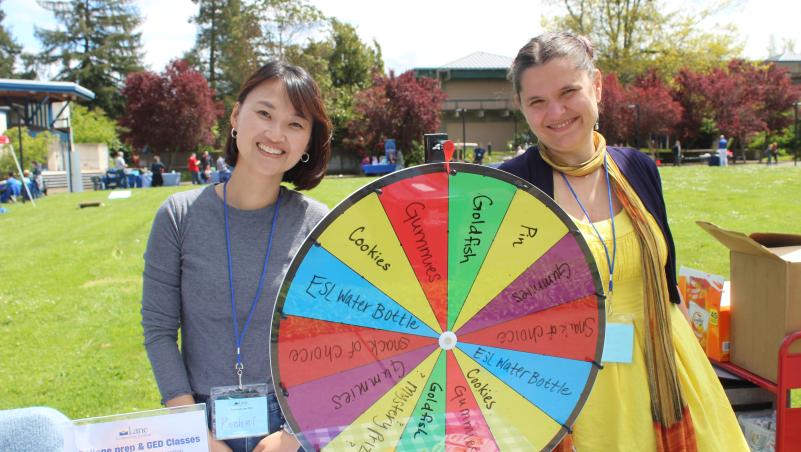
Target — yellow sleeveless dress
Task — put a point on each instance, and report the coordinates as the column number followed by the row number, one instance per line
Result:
column 617, row 416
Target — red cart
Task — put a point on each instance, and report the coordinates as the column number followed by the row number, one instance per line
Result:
column 788, row 418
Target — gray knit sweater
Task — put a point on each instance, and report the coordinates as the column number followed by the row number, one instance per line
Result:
column 186, row 287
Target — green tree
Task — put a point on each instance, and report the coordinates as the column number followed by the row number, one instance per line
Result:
column 631, row 37
column 9, row 50
column 93, row 126
column 342, row 65
column 95, row 45
column 352, row 62
column 286, row 23
column 226, row 49
column 33, row 148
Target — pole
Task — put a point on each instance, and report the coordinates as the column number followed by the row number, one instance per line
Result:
column 464, row 135
column 797, row 138
column 21, row 162
column 514, row 137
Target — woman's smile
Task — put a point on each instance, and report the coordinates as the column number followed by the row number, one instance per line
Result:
column 269, row 151
column 563, row 125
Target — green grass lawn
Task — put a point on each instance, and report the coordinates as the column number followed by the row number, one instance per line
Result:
column 71, row 278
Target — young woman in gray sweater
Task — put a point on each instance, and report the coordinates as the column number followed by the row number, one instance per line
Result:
column 217, row 255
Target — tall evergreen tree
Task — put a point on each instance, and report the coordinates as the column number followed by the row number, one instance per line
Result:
column 96, row 45
column 225, row 46
column 352, row 62
column 207, row 49
column 225, row 49
column 9, row 50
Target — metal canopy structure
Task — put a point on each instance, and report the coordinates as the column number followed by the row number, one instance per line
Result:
column 31, row 104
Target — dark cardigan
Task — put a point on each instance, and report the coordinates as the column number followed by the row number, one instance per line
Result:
column 641, row 173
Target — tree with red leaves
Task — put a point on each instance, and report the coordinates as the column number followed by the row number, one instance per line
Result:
column 615, row 119
column 779, row 96
column 402, row 107
column 169, row 112
column 693, row 128
column 632, row 113
column 737, row 101
column 736, row 95
column 654, row 108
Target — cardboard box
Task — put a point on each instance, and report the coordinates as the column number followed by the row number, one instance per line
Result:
column 765, row 295
column 703, row 295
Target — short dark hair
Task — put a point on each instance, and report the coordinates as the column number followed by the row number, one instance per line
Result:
column 305, row 96
column 547, row 46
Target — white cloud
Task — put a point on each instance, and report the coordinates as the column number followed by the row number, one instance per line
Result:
column 758, row 20
column 166, row 31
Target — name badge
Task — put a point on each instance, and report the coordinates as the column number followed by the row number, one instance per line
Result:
column 240, row 412
column 618, row 343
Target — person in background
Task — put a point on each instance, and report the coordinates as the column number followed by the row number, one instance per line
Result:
column 723, row 152
column 28, row 186
column 667, row 397
column 400, row 161
column 478, row 154
column 119, row 169
column 677, row 153
column 280, row 132
column 38, row 179
column 220, row 164
column 205, row 167
column 157, row 170
column 13, row 186
column 222, row 168
column 119, row 161
column 194, row 169
column 774, row 152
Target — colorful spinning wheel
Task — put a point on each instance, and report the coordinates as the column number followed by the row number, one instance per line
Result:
column 436, row 311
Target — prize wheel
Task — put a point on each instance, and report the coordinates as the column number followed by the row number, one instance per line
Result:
column 438, row 311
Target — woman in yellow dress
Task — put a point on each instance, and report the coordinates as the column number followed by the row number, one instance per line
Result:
column 666, row 397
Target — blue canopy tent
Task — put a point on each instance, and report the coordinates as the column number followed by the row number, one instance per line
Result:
column 31, row 105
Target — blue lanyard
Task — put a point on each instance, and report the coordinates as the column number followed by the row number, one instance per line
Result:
column 237, row 336
column 609, row 261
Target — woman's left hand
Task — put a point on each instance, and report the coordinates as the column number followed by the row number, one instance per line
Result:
column 279, row 441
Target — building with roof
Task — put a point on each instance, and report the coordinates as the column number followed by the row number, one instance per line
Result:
column 480, row 103
column 790, row 61
column 44, row 106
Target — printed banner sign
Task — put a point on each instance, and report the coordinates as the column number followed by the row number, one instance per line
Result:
column 181, row 429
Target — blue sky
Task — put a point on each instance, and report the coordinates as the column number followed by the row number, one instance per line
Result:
column 419, row 33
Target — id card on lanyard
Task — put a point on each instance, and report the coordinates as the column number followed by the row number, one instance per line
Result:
column 619, row 340
column 619, row 335
column 242, row 411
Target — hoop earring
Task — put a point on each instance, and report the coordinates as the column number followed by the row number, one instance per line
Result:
column 305, row 157
column 234, row 133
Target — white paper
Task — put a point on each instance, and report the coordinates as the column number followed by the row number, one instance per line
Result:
column 119, row 194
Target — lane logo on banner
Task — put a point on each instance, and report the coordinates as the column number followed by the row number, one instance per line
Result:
column 181, row 429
